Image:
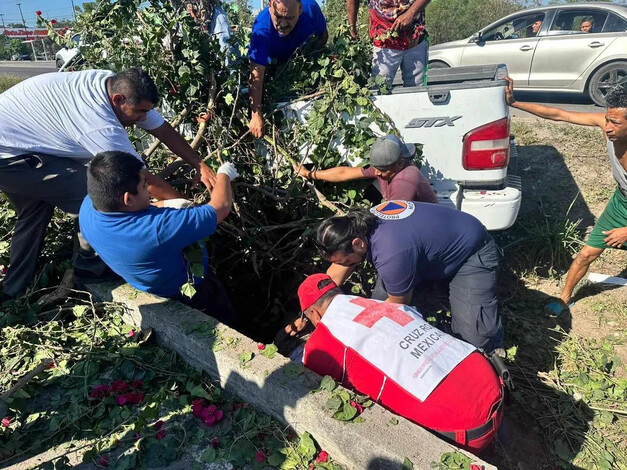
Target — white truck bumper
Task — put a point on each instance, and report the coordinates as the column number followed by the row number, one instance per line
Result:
column 496, row 209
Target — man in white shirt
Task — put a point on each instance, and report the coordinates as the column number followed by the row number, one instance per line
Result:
column 51, row 126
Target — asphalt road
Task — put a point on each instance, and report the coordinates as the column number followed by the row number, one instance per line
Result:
column 26, row 68
column 566, row 101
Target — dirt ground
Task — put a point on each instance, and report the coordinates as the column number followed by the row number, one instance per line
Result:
column 561, row 165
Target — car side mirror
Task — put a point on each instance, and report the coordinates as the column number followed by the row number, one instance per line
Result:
column 477, row 37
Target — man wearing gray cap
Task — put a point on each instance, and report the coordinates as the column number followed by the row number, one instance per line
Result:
column 391, row 164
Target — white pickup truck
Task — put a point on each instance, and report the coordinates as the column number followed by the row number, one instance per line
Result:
column 462, row 120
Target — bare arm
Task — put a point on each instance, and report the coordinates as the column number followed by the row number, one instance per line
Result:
column 339, row 273
column 179, row 146
column 322, row 40
column 405, row 19
column 401, row 299
column 159, row 189
column 255, row 82
column 554, row 114
column 221, row 196
column 338, row 174
column 352, row 7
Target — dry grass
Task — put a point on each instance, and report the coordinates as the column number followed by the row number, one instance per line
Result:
column 7, row 81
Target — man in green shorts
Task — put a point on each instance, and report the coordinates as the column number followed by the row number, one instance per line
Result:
column 610, row 231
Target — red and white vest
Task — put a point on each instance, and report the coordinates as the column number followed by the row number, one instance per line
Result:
column 388, row 352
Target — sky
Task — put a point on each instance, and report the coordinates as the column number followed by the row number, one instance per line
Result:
column 58, row 9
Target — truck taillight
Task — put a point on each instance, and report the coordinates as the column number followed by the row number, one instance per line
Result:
column 487, row 147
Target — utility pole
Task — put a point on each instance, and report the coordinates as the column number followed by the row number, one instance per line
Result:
column 32, row 45
column 2, row 17
column 73, row 9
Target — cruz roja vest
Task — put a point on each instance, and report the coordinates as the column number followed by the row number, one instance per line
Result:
column 388, row 352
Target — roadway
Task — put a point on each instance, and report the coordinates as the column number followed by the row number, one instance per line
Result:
column 27, row 68
column 571, row 102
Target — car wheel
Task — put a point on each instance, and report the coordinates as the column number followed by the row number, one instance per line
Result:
column 438, row 65
column 604, row 79
column 59, row 63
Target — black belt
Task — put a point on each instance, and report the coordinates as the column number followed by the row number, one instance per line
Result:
column 475, row 433
column 30, row 159
column 507, row 383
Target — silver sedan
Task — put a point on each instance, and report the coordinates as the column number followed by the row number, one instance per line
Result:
column 579, row 48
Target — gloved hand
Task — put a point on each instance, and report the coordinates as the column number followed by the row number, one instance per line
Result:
column 229, row 170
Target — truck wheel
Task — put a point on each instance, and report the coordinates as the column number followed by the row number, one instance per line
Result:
column 436, row 64
column 59, row 63
column 604, row 79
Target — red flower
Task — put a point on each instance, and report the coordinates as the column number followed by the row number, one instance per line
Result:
column 120, row 400
column 66, row 28
column 356, row 405
column 53, row 21
column 100, row 391
column 172, row 91
column 323, row 457
column 138, row 384
column 134, row 398
column 260, row 456
column 158, row 425
column 161, row 434
column 197, row 407
column 38, row 12
column 103, row 461
column 215, row 442
column 211, row 415
column 6, row 421
column 52, row 365
column 261, row 346
column 118, row 386
column 238, row 406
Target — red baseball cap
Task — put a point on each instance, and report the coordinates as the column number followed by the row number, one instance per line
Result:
column 309, row 292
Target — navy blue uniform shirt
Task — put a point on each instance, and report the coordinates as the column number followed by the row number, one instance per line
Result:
column 417, row 241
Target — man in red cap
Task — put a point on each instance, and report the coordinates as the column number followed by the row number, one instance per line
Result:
column 388, row 352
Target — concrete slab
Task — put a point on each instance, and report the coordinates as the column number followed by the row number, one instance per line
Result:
column 276, row 386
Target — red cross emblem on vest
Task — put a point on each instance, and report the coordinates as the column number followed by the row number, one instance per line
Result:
column 375, row 311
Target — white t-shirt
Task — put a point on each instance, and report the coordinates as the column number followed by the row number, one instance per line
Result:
column 66, row 115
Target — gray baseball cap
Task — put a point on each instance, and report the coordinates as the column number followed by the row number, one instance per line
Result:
column 389, row 149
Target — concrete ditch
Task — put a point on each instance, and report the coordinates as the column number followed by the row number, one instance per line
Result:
column 277, row 386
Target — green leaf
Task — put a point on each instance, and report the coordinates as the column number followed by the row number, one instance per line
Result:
column 359, row 419
column 327, row 383
column 188, row 290
column 293, row 370
column 209, row 455
column 306, row 446
column 245, row 357
column 334, row 403
column 198, row 269
column 199, row 391
column 270, row 351
column 228, row 99
column 346, row 413
column 393, row 421
column 79, row 310
column 407, row 464
column 276, row 459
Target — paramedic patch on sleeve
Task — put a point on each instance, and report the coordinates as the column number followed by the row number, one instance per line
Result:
column 394, row 210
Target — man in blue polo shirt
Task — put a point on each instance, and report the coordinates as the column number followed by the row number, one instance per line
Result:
column 144, row 244
column 410, row 242
column 281, row 28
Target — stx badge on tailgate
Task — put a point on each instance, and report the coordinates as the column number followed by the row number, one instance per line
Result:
column 432, row 122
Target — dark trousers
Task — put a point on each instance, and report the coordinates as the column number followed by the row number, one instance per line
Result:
column 211, row 299
column 472, row 294
column 35, row 185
